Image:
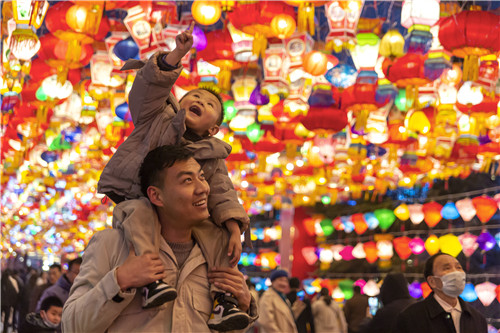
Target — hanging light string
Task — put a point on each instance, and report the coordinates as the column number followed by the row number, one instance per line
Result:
column 484, row 276
column 464, row 194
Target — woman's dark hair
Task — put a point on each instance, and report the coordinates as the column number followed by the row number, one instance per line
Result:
column 325, row 294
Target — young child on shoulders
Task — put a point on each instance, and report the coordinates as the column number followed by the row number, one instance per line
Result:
column 159, row 119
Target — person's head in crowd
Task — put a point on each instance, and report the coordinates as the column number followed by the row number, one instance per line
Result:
column 279, row 281
column 73, row 269
column 204, row 111
column 55, row 273
column 356, row 289
column 175, row 183
column 294, row 283
column 51, row 311
column 445, row 275
column 324, row 293
column 394, row 287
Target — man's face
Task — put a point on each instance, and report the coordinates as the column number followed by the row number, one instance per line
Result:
column 443, row 265
column 281, row 284
column 184, row 195
column 203, row 110
column 73, row 272
column 53, row 314
column 54, row 275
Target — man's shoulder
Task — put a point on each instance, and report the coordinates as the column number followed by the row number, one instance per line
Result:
column 107, row 238
column 416, row 307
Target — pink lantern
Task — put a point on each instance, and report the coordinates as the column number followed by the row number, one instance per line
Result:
column 469, row 244
column 346, row 253
column 466, row 209
column 417, row 245
column 416, row 213
column 360, row 283
column 486, row 292
column 309, row 253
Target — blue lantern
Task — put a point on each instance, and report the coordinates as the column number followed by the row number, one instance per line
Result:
column 450, row 211
column 126, row 49
column 122, row 111
column 342, row 76
column 469, row 293
column 371, row 220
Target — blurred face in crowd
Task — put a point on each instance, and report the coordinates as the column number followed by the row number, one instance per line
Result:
column 54, row 275
column 73, row 272
column 53, row 314
column 281, row 284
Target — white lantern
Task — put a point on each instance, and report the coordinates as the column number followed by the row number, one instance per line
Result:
column 371, row 288
column 486, row 292
column 416, row 213
column 365, row 53
column 24, row 44
column 469, row 94
column 466, row 209
column 54, row 89
column 358, row 251
column 424, row 12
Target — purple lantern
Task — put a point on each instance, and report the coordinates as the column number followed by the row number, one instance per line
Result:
column 486, row 241
column 415, row 289
column 199, row 39
column 126, row 49
column 257, row 97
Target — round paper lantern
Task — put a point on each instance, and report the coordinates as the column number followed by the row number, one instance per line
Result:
column 450, row 244
column 469, row 293
column 371, row 220
column 385, row 218
column 24, row 44
column 371, row 288
column 486, row 292
column 402, row 212
column 315, row 63
column 384, row 249
column 206, row 12
column 432, row 213
column 416, row 213
column 417, row 245
column 432, row 245
column 486, row 207
column 346, row 253
column 283, row 26
column 450, row 211
column 469, row 244
column 126, row 49
column 371, row 251
column 358, row 251
column 415, row 289
column 402, row 247
column 486, row 241
column 426, row 289
column 466, row 209
column 346, row 287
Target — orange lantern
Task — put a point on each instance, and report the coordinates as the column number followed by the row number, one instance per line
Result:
column 283, row 26
column 426, row 289
column 359, row 222
column 370, row 251
column 486, row 207
column 432, row 244
column 85, row 18
column 432, row 213
column 315, row 63
column 206, row 12
column 452, row 76
column 310, row 225
column 402, row 247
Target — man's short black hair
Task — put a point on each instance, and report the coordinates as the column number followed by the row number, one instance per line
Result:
column 216, row 94
column 357, row 289
column 158, row 159
column 429, row 264
column 77, row 261
column 55, row 266
column 51, row 301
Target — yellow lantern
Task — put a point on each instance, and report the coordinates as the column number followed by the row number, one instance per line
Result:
column 432, row 245
column 283, row 26
column 417, row 121
column 315, row 63
column 392, row 44
column 402, row 212
column 85, row 18
column 206, row 12
column 450, row 244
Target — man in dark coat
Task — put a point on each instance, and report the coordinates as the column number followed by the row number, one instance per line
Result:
column 356, row 310
column 442, row 311
column 395, row 298
column 302, row 311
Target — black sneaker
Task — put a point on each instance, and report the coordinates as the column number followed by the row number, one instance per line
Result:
column 226, row 316
column 157, row 293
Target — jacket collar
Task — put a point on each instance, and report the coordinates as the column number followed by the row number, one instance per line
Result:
column 64, row 283
column 435, row 309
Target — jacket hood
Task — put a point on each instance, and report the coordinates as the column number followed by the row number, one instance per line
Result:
column 394, row 287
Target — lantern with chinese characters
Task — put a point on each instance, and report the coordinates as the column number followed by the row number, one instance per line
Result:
column 432, row 244
column 486, row 207
column 450, row 244
column 342, row 19
column 29, row 12
column 466, row 209
column 471, row 34
column 486, row 292
column 432, row 213
column 206, row 12
column 468, row 242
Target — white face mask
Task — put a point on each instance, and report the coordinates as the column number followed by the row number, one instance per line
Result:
column 453, row 283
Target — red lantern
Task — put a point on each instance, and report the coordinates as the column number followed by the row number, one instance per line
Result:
column 325, row 120
column 53, row 19
column 486, row 207
column 360, row 100
column 432, row 213
column 402, row 247
column 426, row 289
column 470, row 35
column 359, row 222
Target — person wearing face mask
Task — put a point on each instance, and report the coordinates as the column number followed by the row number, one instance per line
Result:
column 442, row 311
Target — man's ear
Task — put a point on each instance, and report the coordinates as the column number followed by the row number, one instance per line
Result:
column 154, row 195
column 213, row 130
column 431, row 281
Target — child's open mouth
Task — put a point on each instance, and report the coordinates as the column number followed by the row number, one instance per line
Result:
column 195, row 109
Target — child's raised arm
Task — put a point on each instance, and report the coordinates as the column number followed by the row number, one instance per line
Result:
column 183, row 43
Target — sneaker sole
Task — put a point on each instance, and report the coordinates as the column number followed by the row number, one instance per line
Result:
column 237, row 321
column 160, row 299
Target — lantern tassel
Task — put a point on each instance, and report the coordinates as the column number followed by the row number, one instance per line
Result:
column 471, row 68
column 411, row 96
column 305, row 18
column 259, row 45
column 74, row 51
column 361, row 119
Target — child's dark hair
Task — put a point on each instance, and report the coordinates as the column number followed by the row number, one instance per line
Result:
column 51, row 301
column 216, row 94
column 158, row 159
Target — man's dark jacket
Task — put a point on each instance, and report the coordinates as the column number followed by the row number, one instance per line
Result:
column 428, row 316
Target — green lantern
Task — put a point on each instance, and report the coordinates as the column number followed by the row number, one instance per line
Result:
column 59, row 144
column 326, row 200
column 254, row 133
column 400, row 100
column 229, row 110
column 40, row 94
column 347, row 288
column 327, row 227
column 385, row 218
